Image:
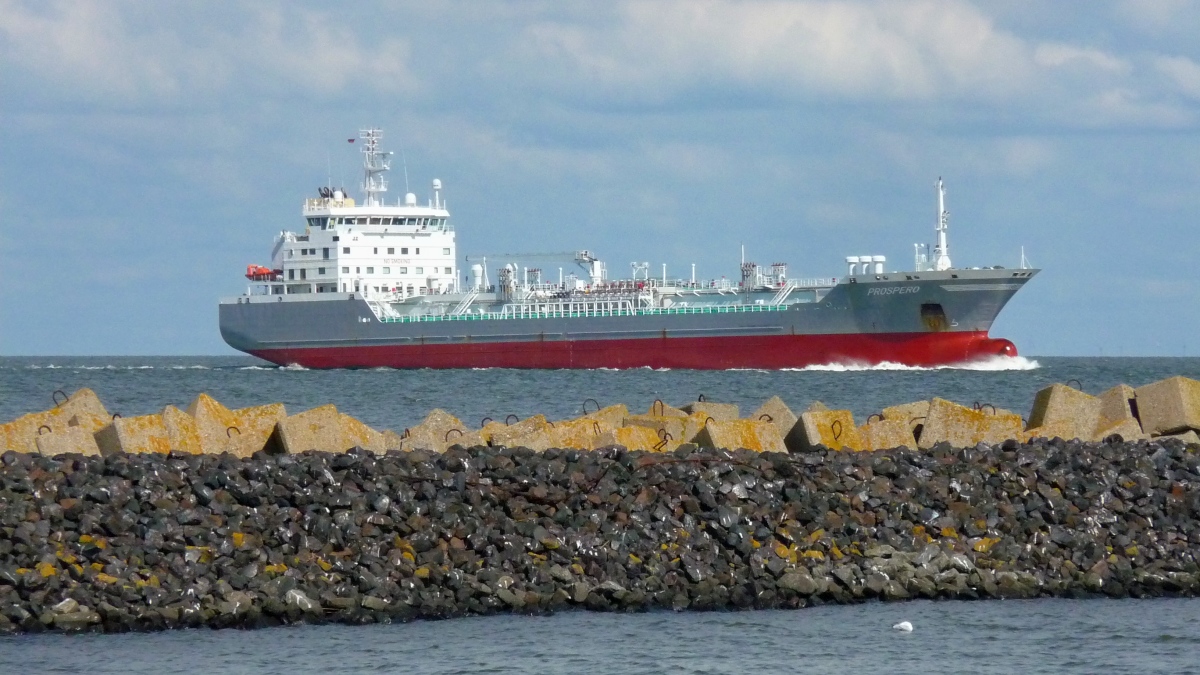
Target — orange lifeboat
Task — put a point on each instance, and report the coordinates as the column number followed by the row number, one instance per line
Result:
column 258, row 273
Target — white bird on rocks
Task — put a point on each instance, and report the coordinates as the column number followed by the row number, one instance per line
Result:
column 903, row 626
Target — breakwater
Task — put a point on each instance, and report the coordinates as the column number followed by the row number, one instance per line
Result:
column 149, row 541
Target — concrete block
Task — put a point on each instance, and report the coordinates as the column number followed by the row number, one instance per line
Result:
column 392, row 440
column 1128, row 429
column 830, row 428
column 1118, row 404
column 255, row 426
column 21, row 434
column 89, row 422
column 636, row 438
column 721, row 412
column 660, row 409
column 355, row 434
column 134, row 435
column 778, row 413
column 1070, row 412
column 672, row 429
column 612, row 417
column 435, row 433
column 816, row 406
column 914, row 414
column 182, row 433
column 504, row 437
column 1169, row 406
column 736, row 434
column 216, row 425
column 885, row 434
column 1190, row 437
column 74, row 440
column 316, row 429
column 962, row 427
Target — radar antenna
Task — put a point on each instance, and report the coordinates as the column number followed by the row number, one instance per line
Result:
column 941, row 253
column 375, row 162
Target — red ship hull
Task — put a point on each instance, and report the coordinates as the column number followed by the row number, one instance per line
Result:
column 708, row 353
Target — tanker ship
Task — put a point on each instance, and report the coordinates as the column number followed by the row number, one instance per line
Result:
column 380, row 284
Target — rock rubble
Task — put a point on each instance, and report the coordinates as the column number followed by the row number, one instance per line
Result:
column 153, row 541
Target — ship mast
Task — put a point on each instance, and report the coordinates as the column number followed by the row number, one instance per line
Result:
column 941, row 253
column 375, row 162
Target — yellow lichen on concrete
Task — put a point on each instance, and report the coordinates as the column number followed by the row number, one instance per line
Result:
column 1169, row 406
column 255, row 426
column 778, row 413
column 21, row 434
column 610, row 418
column 885, row 434
column 741, row 434
column 660, row 409
column 1068, row 411
column 963, row 427
column 672, row 429
column 315, row 429
column 134, row 435
column 721, row 412
column 913, row 414
column 1128, row 429
column 182, row 433
column 831, row 428
column 635, row 438
column 504, row 437
column 216, row 425
column 71, row 440
column 355, row 434
column 435, row 433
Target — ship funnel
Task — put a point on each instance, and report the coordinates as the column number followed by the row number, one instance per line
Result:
column 852, row 263
column 879, row 260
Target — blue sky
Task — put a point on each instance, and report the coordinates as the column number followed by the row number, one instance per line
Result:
column 150, row 151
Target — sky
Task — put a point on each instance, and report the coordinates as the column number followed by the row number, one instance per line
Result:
column 150, row 151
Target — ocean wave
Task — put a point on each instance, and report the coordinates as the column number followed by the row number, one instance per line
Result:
column 293, row 366
column 989, row 364
column 258, row 368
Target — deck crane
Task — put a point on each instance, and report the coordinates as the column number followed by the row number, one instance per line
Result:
column 584, row 258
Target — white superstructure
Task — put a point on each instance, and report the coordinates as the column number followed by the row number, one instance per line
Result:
column 389, row 251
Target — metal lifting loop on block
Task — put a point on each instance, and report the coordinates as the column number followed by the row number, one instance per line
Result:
column 406, row 433
column 765, row 418
column 46, row 427
column 229, row 429
column 836, row 428
column 1078, row 384
column 596, row 428
column 594, row 401
column 700, row 398
column 873, row 416
column 659, row 406
column 986, row 405
column 483, row 422
column 448, row 432
column 511, row 417
column 707, row 420
column 54, row 397
column 116, row 416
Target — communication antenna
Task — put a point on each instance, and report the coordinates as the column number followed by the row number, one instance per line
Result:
column 404, row 163
column 942, row 251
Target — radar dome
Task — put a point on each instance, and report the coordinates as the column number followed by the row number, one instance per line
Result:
column 437, row 184
column 410, row 199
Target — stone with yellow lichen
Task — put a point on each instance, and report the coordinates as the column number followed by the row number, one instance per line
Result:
column 721, row 412
column 961, row 426
column 134, row 435
column 21, row 434
column 738, row 434
column 1065, row 411
column 182, row 432
column 831, row 428
column 72, row 440
column 1169, row 406
column 885, row 434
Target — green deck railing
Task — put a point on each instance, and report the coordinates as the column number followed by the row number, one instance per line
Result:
column 650, row 311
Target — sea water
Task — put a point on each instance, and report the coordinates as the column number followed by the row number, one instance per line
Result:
column 1031, row 636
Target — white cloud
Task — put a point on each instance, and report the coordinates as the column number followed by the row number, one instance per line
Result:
column 1060, row 55
column 130, row 54
column 1183, row 72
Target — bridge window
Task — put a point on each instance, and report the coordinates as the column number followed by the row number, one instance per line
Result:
column 345, row 249
column 387, row 270
column 420, row 270
column 403, row 270
column 370, row 270
column 448, row 271
column 321, row 271
column 403, row 251
column 291, row 274
column 375, row 221
column 391, row 251
column 345, row 270
column 445, row 251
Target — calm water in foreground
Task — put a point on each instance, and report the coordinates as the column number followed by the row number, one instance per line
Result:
column 1040, row 636
column 1031, row 636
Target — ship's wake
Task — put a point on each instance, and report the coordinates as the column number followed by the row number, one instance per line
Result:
column 988, row 364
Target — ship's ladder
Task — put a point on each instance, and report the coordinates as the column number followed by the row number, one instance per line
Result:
column 466, row 303
column 783, row 293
